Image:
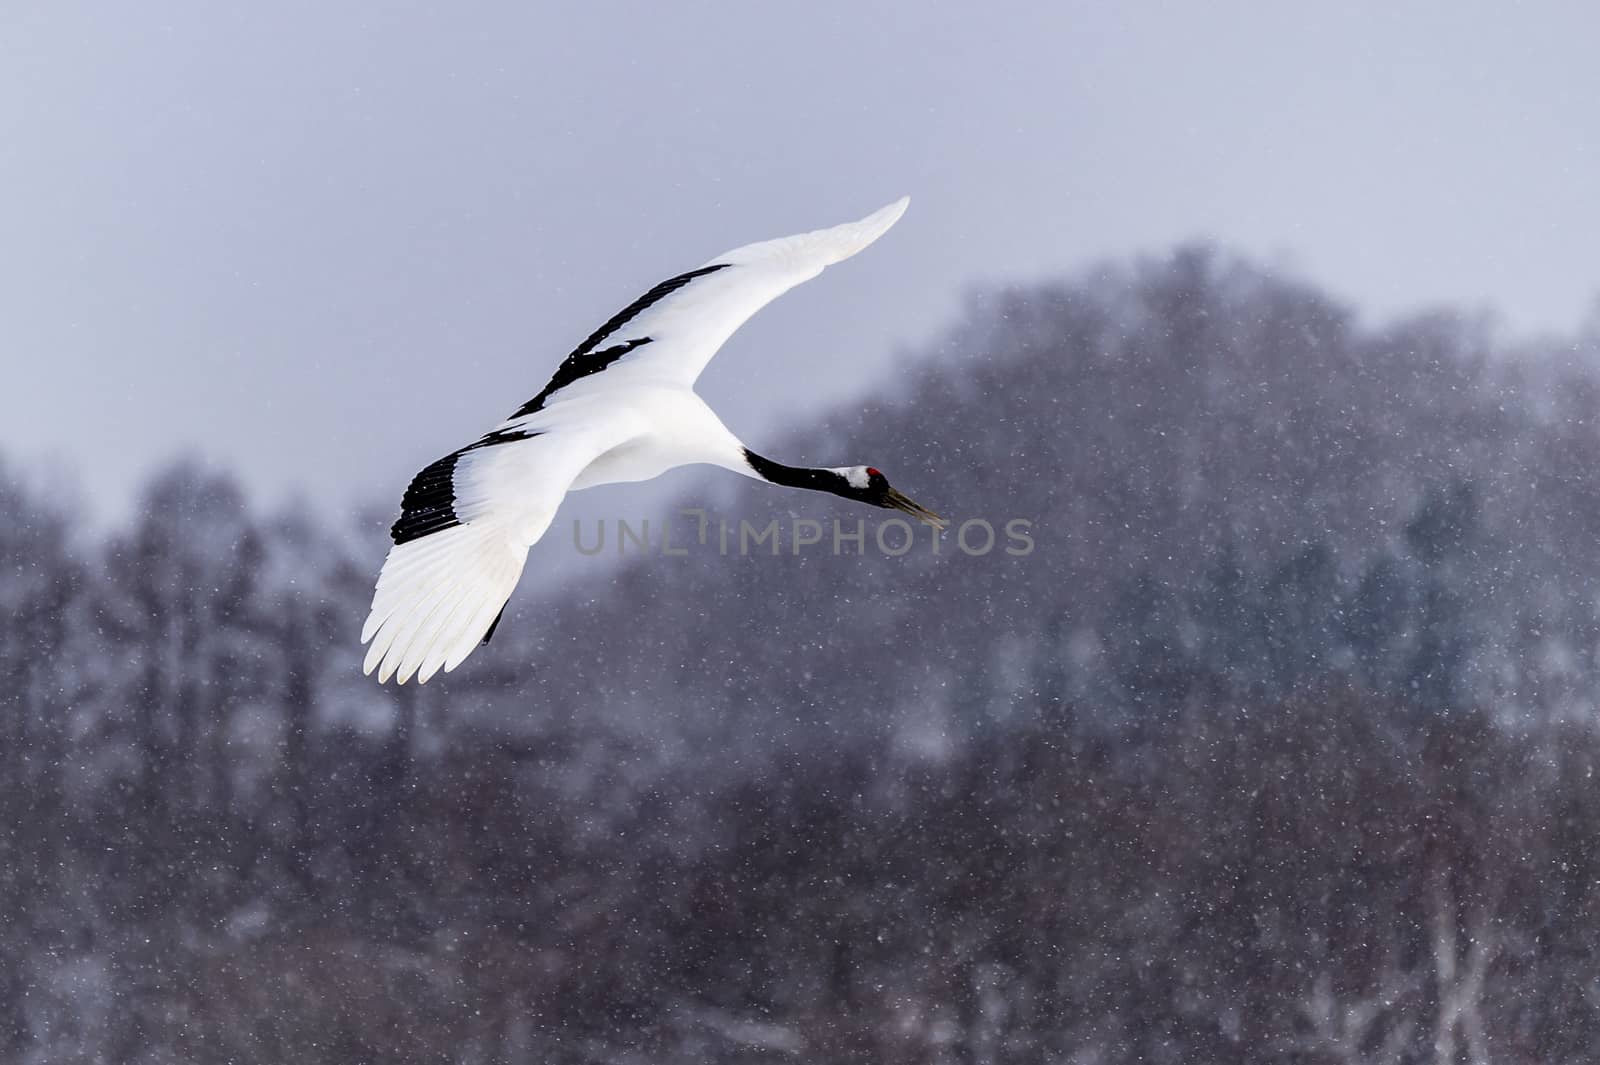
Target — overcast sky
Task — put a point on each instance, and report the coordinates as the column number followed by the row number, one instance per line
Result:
column 323, row 244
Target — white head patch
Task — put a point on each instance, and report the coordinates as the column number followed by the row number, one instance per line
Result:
column 856, row 475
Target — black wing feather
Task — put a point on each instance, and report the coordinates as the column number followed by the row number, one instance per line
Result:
column 589, row 358
column 429, row 505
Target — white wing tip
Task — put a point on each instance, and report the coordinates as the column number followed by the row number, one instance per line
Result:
column 851, row 237
column 884, row 217
column 435, row 599
column 819, row 248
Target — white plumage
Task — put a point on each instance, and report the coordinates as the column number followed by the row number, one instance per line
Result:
column 620, row 408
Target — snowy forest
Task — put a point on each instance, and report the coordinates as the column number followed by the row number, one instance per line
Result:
column 1279, row 746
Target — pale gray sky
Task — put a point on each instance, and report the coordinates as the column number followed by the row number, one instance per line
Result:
column 324, row 243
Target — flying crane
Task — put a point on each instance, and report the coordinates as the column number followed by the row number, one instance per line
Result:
column 621, row 407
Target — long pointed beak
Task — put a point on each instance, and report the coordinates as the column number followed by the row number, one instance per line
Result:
column 901, row 503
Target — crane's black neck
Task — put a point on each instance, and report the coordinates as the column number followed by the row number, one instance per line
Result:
column 818, row 480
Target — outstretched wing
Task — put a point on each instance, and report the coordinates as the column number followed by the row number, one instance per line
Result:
column 465, row 527
column 671, row 332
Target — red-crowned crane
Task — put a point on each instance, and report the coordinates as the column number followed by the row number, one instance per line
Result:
column 622, row 407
